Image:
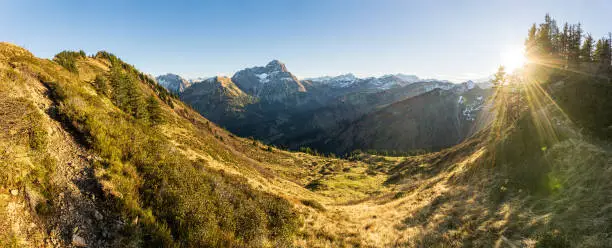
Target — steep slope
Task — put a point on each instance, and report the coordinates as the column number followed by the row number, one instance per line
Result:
column 83, row 164
column 434, row 120
column 530, row 179
column 173, row 83
column 312, row 127
column 218, row 98
column 269, row 103
column 103, row 163
column 270, row 83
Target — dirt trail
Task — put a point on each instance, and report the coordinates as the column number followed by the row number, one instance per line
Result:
column 79, row 217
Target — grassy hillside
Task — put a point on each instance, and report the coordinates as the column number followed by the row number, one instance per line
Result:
column 95, row 153
column 118, row 127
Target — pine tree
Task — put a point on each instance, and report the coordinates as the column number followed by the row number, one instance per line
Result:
column 602, row 52
column 564, row 42
column 554, row 36
column 155, row 111
column 544, row 41
column 136, row 104
column 586, row 52
column 500, row 76
column 530, row 43
column 119, row 89
column 575, row 38
column 101, row 84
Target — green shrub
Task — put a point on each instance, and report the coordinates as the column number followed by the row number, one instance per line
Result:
column 552, row 239
column 44, row 208
column 313, row 204
column 400, row 194
column 101, row 85
column 67, row 59
column 37, row 136
column 316, row 185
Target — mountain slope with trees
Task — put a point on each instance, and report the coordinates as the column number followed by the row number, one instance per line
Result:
column 96, row 153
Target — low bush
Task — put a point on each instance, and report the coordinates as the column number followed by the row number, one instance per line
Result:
column 67, row 59
column 313, row 204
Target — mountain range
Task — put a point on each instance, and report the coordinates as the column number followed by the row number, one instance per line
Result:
column 271, row 104
column 95, row 153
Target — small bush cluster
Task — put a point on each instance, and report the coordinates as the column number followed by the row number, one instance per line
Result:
column 68, row 59
column 313, row 204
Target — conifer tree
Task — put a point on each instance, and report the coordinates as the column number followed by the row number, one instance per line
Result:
column 574, row 41
column 101, row 85
column 500, row 76
column 602, row 52
column 586, row 52
column 530, row 42
column 136, row 104
column 564, row 42
column 544, row 41
column 554, row 36
column 155, row 111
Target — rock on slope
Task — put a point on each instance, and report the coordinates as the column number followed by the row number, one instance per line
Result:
column 174, row 83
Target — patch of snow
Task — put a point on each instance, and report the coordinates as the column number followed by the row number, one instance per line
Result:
column 471, row 110
column 162, row 82
column 408, row 78
column 439, row 86
column 198, row 79
column 263, row 77
column 341, row 81
column 460, row 99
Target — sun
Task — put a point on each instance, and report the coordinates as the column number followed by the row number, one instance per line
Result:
column 513, row 58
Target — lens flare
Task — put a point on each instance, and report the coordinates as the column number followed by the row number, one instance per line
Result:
column 513, row 58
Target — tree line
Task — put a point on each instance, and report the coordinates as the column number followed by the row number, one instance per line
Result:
column 121, row 85
column 566, row 47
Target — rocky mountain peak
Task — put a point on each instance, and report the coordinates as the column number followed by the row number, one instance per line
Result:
column 276, row 65
column 172, row 82
column 272, row 82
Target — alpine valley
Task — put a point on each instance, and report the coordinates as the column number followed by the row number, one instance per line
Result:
column 390, row 114
column 95, row 152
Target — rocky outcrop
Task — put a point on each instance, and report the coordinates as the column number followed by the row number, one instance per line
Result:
column 173, row 83
column 218, row 98
column 270, row 83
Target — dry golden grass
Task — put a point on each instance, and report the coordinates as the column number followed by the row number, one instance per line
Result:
column 464, row 196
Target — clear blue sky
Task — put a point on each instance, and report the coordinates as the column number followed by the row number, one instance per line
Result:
column 451, row 39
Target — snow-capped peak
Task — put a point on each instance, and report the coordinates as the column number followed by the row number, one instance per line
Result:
column 470, row 84
column 340, row 81
column 343, row 77
column 198, row 79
